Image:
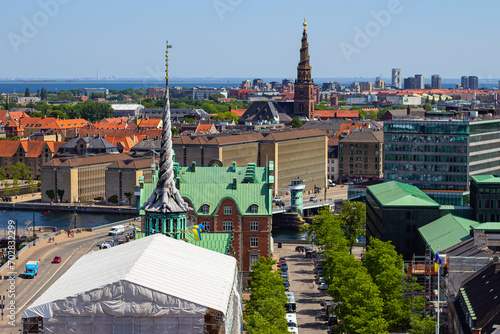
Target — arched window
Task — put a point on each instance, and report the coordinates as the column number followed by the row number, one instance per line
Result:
column 205, row 209
column 254, row 209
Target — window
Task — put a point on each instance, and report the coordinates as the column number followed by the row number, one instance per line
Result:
column 254, row 226
column 207, row 225
column 228, row 210
column 227, row 226
column 205, row 209
column 253, row 259
column 254, row 242
column 254, row 208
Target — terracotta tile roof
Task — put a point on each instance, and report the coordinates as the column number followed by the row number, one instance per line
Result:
column 121, row 133
column 333, row 141
column 347, row 114
column 18, row 115
column 238, row 112
column 325, row 113
column 116, row 119
column 71, row 123
column 3, row 114
column 109, row 126
column 150, row 123
column 126, row 142
column 204, row 128
column 347, row 128
column 8, row 148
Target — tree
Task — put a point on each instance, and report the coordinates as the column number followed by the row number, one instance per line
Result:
column 15, row 186
column 3, row 174
column 264, row 311
column 38, row 93
column 31, row 185
column 6, row 186
column 422, row 325
column 43, row 94
column 93, row 111
column 19, row 171
column 60, row 192
column 326, row 232
column 353, row 217
column 296, row 122
column 26, row 92
column 50, row 194
column 129, row 197
column 113, row 199
column 174, row 130
column 384, row 266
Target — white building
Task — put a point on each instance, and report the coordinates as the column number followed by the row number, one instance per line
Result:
column 405, row 100
column 396, row 78
column 152, row 285
column 126, row 109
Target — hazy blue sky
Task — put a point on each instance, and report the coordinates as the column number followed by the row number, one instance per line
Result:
column 243, row 38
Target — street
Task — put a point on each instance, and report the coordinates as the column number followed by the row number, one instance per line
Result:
column 25, row 291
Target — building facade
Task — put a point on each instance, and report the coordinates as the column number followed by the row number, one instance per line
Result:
column 360, row 155
column 435, row 81
column 439, row 156
column 303, row 104
column 485, row 197
column 396, row 78
column 229, row 199
column 395, row 211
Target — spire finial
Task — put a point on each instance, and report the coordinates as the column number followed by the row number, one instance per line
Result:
column 304, row 24
column 168, row 46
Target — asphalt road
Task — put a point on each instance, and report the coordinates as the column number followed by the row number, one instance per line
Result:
column 28, row 290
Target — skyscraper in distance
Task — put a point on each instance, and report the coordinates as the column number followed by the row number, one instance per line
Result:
column 396, row 78
column 473, row 82
column 419, row 81
column 465, row 82
column 435, row 81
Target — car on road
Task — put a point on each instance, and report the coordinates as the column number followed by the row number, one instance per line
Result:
column 284, row 275
column 323, row 286
column 284, row 267
column 313, row 199
column 326, row 302
column 57, row 259
column 286, row 284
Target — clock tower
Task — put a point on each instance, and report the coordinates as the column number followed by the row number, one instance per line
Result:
column 303, row 103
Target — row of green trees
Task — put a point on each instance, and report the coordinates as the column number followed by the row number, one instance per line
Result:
column 264, row 311
column 369, row 293
column 17, row 172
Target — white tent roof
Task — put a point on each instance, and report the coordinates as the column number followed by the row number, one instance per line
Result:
column 157, row 263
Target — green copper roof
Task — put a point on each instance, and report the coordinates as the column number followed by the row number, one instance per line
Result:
column 487, row 227
column 395, row 194
column 247, row 186
column 447, row 231
column 485, row 179
column 218, row 242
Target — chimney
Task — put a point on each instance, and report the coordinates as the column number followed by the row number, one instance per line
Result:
column 408, row 111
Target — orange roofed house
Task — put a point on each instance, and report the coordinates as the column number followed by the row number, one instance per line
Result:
column 29, row 152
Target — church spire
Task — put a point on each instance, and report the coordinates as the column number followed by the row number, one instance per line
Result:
column 304, row 86
column 166, row 198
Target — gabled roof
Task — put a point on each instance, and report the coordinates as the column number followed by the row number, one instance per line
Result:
column 3, row 114
column 157, row 265
column 218, row 182
column 485, row 179
column 488, row 227
column 8, row 148
column 151, row 123
column 17, row 115
column 205, row 128
column 365, row 136
column 447, row 231
column 116, row 119
column 395, row 194
column 110, row 126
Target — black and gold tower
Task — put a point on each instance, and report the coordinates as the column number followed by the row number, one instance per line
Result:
column 303, row 103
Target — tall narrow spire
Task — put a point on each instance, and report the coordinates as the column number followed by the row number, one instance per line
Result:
column 304, row 86
column 166, row 198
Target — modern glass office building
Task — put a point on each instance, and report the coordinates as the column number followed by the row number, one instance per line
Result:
column 438, row 156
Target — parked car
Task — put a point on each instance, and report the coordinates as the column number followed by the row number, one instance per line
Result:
column 323, row 286
column 284, row 267
column 310, row 253
column 286, row 284
column 332, row 321
column 284, row 275
column 57, row 259
column 326, row 301
column 313, row 199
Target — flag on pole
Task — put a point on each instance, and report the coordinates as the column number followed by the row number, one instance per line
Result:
column 197, row 234
column 437, row 261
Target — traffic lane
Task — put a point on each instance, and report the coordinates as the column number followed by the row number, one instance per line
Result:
column 28, row 290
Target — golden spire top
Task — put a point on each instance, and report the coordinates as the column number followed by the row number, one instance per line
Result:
column 304, row 24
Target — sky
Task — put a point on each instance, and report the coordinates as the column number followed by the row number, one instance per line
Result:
column 64, row 39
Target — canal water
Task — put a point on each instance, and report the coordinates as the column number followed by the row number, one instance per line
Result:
column 65, row 220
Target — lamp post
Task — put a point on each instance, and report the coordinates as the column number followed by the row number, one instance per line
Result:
column 34, row 228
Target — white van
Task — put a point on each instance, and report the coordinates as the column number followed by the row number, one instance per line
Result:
column 116, row 230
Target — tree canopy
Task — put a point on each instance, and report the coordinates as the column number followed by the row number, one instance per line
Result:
column 296, row 122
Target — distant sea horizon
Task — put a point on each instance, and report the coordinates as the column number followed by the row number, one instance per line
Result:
column 55, row 86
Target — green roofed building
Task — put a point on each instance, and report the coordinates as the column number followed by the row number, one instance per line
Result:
column 394, row 211
column 485, row 197
column 230, row 200
column 446, row 232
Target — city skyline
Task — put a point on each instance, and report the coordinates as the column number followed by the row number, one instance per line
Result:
column 224, row 39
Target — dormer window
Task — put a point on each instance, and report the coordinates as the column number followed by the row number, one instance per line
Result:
column 205, row 209
column 254, row 208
